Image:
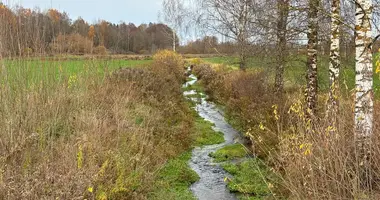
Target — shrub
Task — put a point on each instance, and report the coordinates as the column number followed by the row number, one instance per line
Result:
column 169, row 64
column 195, row 61
column 100, row 50
column 27, row 51
column 247, row 101
column 321, row 165
column 111, row 136
column 73, row 43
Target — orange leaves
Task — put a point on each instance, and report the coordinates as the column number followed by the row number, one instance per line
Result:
column 103, row 31
column 54, row 14
column 91, row 33
column 7, row 16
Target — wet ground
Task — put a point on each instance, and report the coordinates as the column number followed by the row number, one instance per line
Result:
column 211, row 185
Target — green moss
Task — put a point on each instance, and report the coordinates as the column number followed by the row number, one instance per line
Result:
column 188, row 88
column 197, row 96
column 189, row 79
column 204, row 134
column 139, row 120
column 175, row 179
column 197, row 86
column 229, row 153
column 251, row 179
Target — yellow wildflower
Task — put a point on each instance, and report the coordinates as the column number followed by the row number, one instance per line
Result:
column 261, row 126
column 306, row 147
column 276, row 116
column 72, row 80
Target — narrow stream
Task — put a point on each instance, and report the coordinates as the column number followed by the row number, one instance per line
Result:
column 211, row 185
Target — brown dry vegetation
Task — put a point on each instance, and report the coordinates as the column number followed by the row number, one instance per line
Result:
column 72, row 44
column 321, row 165
column 93, row 139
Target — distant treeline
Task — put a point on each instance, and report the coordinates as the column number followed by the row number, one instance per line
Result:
column 208, row 45
column 33, row 32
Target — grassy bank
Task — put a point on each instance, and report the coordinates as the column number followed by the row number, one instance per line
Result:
column 304, row 166
column 251, row 178
column 176, row 177
column 69, row 130
column 174, row 180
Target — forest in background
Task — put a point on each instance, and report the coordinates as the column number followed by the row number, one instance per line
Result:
column 28, row 32
column 34, row 32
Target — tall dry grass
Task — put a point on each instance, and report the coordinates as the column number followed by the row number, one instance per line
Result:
column 91, row 137
column 321, row 165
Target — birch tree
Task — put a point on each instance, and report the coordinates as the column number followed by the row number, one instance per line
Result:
column 174, row 14
column 312, row 74
column 363, row 85
column 334, row 65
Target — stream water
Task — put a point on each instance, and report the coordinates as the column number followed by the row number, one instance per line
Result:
column 211, row 185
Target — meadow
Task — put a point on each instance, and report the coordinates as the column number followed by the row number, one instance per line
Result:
column 32, row 71
column 89, row 128
column 295, row 71
column 121, row 128
column 97, row 128
column 321, row 164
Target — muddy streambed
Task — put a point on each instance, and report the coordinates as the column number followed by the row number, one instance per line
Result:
column 211, row 185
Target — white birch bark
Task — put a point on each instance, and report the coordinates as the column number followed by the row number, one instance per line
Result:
column 364, row 92
column 334, row 66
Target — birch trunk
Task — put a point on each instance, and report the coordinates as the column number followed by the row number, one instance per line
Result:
column 334, row 66
column 312, row 78
column 283, row 13
column 364, row 92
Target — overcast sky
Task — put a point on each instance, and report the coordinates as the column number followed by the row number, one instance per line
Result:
column 135, row 11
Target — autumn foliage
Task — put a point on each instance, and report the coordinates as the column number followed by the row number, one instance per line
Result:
column 72, row 44
column 310, row 166
column 92, row 137
column 169, row 64
column 43, row 33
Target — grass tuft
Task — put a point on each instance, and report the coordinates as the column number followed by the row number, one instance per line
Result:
column 229, row 152
column 196, row 86
column 204, row 134
column 175, row 179
column 251, row 179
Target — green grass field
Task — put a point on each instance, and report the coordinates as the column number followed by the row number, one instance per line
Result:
column 295, row 72
column 18, row 73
